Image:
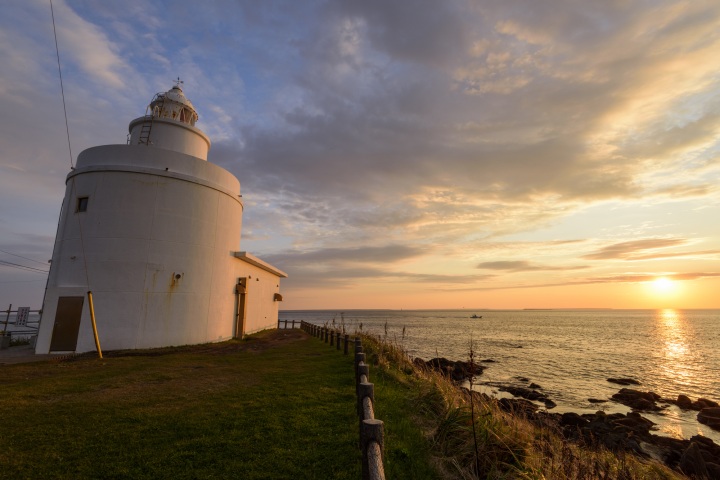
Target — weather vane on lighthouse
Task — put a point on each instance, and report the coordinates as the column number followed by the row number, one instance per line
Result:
column 178, row 82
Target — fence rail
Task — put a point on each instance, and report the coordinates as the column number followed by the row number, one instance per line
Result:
column 371, row 429
column 282, row 324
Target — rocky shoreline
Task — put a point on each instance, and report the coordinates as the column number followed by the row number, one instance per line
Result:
column 698, row 456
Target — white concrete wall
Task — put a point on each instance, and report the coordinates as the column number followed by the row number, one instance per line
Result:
column 262, row 309
column 172, row 135
column 143, row 226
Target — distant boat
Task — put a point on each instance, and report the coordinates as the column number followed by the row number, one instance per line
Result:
column 476, row 316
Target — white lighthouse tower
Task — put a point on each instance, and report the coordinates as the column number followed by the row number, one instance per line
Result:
column 152, row 229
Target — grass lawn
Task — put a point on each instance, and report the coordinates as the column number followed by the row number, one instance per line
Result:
column 279, row 404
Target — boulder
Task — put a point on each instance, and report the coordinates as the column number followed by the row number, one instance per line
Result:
column 684, row 402
column 632, row 433
column 704, row 403
column 710, row 416
column 623, row 381
column 528, row 394
column 713, row 470
column 457, row 370
column 633, row 421
column 596, row 400
column 572, row 419
column 692, row 462
column 637, row 400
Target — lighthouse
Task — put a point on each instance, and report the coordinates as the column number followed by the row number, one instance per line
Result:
column 153, row 230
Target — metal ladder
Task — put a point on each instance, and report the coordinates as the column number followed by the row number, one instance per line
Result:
column 146, row 128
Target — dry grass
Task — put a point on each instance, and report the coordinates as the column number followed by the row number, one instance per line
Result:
column 509, row 446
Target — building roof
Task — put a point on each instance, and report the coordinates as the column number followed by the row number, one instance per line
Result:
column 253, row 260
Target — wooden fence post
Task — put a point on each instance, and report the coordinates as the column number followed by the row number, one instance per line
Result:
column 359, row 358
column 373, row 443
column 337, row 339
column 365, row 389
column 347, row 339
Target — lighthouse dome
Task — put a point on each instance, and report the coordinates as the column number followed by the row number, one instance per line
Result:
column 169, row 123
column 174, row 105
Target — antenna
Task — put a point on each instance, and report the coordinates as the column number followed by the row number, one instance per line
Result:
column 178, row 82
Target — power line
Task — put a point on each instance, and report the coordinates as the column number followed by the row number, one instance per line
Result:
column 22, row 267
column 23, row 281
column 62, row 90
column 26, row 258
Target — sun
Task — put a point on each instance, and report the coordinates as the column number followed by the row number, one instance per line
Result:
column 663, row 285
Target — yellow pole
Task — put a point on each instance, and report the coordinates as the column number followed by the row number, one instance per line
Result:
column 94, row 325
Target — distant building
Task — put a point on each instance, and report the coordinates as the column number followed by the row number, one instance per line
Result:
column 152, row 229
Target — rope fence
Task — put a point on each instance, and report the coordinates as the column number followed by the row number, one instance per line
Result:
column 371, row 429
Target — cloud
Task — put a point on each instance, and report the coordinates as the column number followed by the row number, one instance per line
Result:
column 89, row 48
column 374, row 255
column 624, row 278
column 426, row 32
column 630, row 250
column 524, row 266
column 392, row 132
column 352, row 277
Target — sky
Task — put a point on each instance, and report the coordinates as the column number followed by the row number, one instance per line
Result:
column 395, row 153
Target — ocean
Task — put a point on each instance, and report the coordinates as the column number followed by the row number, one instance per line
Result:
column 569, row 353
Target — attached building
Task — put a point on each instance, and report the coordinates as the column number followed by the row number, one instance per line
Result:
column 152, row 229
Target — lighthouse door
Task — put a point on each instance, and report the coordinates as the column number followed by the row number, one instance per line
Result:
column 67, row 324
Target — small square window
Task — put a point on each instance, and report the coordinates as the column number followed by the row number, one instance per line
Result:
column 82, row 203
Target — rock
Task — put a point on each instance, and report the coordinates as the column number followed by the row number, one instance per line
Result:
column 632, row 433
column 528, row 394
column 704, row 403
column 683, row 401
column 713, row 470
column 572, row 419
column 534, row 386
column 522, row 379
column 692, row 462
column 623, row 381
column 633, row 421
column 457, row 370
column 686, row 403
column 710, row 416
column 487, row 360
column 637, row 400
column 596, row 400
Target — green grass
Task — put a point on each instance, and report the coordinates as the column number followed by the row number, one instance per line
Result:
column 214, row 411
column 278, row 405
